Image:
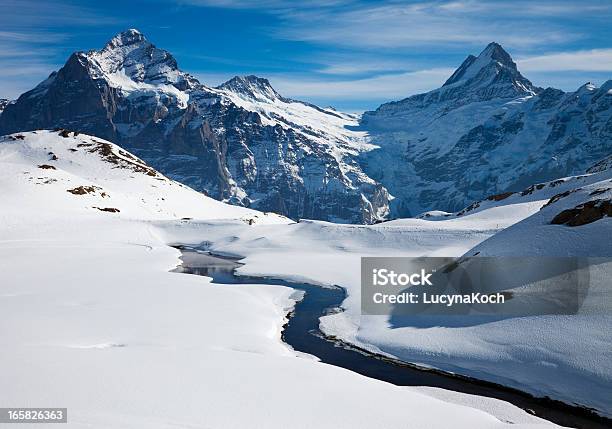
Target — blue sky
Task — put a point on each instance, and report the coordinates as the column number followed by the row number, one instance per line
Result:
column 349, row 54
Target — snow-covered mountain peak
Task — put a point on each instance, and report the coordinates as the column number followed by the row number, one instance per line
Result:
column 493, row 68
column 252, row 87
column 493, row 55
column 496, row 52
column 484, row 83
column 586, row 88
column 487, row 128
column 129, row 55
column 127, row 37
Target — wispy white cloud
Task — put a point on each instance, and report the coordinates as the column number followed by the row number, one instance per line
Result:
column 335, row 81
column 19, row 77
column 359, row 63
column 390, row 86
column 31, row 35
column 268, row 5
column 522, row 7
column 23, row 63
column 49, row 14
column 583, row 60
column 396, row 23
column 435, row 24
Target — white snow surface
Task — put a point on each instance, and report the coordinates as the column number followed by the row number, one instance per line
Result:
column 565, row 357
column 93, row 320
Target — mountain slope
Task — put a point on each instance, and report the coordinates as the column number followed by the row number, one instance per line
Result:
column 574, row 222
column 488, row 130
column 76, row 173
column 539, row 192
column 241, row 142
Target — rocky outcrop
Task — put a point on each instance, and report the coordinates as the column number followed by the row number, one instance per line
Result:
column 583, row 214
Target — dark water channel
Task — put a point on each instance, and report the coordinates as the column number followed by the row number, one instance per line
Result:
column 302, row 333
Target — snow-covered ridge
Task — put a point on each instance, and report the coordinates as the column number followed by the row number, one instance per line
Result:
column 538, row 192
column 549, row 233
column 94, row 176
column 491, row 76
column 493, row 65
column 251, row 86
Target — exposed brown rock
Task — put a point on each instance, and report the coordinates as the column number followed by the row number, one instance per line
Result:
column 82, row 190
column 583, row 214
column 47, row 167
column 499, row 197
column 108, row 209
column 105, row 150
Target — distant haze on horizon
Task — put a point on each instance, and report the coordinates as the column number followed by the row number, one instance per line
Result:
column 352, row 55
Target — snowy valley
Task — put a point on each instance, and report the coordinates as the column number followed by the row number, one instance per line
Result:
column 100, row 322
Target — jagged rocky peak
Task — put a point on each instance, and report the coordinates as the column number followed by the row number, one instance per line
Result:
column 493, row 67
column 130, row 53
column 251, row 86
column 490, row 77
column 493, row 54
column 126, row 38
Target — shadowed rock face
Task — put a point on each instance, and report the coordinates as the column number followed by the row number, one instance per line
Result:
column 132, row 93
